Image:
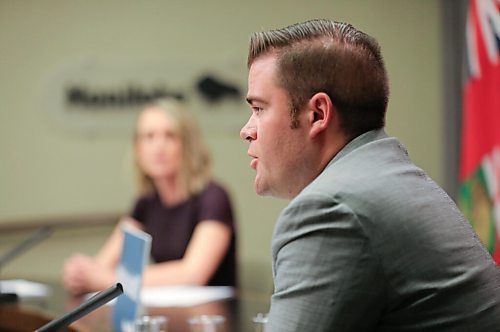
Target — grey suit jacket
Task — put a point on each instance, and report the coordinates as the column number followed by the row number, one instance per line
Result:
column 373, row 244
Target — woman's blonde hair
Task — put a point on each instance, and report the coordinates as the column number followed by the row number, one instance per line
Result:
column 196, row 164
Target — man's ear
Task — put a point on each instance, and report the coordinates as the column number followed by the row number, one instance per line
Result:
column 320, row 113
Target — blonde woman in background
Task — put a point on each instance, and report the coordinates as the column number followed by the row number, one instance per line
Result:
column 188, row 215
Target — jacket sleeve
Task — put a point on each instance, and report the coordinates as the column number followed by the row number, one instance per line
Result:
column 326, row 276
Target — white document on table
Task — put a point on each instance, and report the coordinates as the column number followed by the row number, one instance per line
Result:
column 24, row 288
column 180, row 296
column 184, row 296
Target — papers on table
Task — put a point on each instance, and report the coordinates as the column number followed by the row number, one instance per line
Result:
column 24, row 288
column 167, row 296
column 180, row 296
column 184, row 296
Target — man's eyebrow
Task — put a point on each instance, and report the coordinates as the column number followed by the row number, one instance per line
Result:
column 251, row 100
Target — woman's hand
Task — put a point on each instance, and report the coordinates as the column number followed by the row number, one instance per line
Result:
column 83, row 274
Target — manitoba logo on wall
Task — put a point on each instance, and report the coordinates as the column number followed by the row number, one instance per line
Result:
column 97, row 98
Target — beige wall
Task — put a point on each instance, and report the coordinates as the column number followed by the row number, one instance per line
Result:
column 47, row 170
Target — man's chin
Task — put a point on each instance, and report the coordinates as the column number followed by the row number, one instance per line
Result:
column 265, row 191
column 260, row 188
column 260, row 192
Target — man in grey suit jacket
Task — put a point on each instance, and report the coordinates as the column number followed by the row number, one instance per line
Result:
column 368, row 242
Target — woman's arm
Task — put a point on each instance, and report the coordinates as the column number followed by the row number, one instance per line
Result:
column 205, row 252
column 82, row 273
column 110, row 253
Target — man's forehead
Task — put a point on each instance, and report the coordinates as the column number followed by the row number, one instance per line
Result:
column 264, row 59
column 262, row 71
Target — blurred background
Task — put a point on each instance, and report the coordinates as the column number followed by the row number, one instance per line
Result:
column 72, row 74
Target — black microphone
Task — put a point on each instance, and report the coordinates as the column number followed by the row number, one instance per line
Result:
column 34, row 238
column 93, row 303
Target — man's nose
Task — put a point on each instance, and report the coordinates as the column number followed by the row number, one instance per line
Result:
column 248, row 132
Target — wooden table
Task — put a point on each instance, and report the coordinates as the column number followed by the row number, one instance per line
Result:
column 31, row 314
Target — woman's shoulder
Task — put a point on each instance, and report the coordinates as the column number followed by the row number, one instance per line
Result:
column 214, row 188
column 215, row 193
column 215, row 204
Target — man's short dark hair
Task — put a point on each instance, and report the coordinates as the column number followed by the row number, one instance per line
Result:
column 334, row 58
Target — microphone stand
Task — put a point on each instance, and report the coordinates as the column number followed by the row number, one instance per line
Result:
column 34, row 238
column 93, row 303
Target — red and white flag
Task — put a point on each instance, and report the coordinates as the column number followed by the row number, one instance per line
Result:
column 479, row 196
